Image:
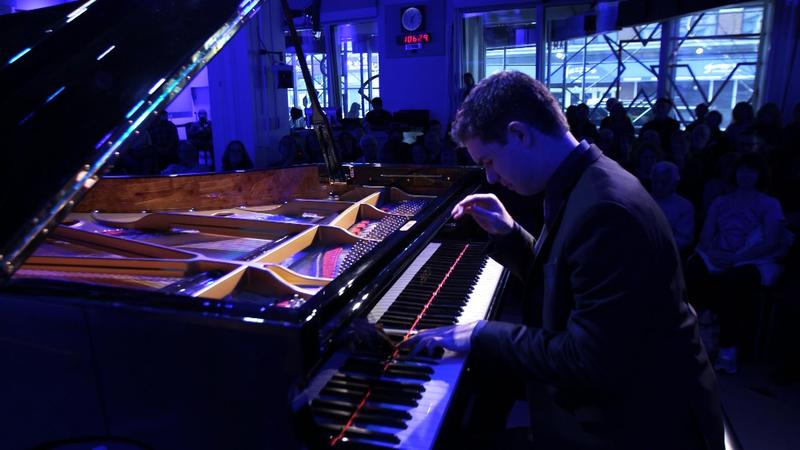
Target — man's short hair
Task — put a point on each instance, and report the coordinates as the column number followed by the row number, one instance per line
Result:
column 503, row 98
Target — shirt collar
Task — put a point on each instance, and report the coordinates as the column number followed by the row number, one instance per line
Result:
column 564, row 178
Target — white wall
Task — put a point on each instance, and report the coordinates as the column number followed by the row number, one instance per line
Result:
column 245, row 105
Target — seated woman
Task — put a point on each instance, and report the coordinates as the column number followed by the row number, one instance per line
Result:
column 741, row 240
column 236, row 157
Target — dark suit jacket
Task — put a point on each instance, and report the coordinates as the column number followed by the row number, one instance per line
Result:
column 617, row 361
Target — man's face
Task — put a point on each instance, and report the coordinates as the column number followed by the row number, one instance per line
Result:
column 515, row 165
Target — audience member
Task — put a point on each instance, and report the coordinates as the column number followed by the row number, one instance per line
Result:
column 700, row 113
column 199, row 133
column 296, row 119
column 188, row 161
column 419, row 154
column 369, row 148
column 289, row 152
column 786, row 164
column 647, row 156
column 433, row 142
column 748, row 141
column 741, row 239
column 585, row 128
column 355, row 111
column 378, row 118
column 768, row 127
column 164, row 137
column 605, row 142
column 395, row 151
column 721, row 181
column 653, row 139
column 348, row 147
column 678, row 210
column 236, row 157
column 718, row 137
column 313, row 149
column 469, row 84
column 691, row 169
column 742, row 121
column 139, row 159
column 662, row 123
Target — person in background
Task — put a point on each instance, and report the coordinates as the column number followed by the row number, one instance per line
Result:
column 624, row 133
column 419, row 154
column 164, row 138
column 199, row 133
column 586, row 129
column 786, row 164
column 662, row 123
column 646, row 157
column 355, row 111
column 369, row 148
column 296, row 119
column 742, row 121
column 679, row 211
column 741, row 239
column 469, row 84
column 432, row 139
column 768, row 127
column 189, row 161
column 235, row 157
column 606, row 121
column 395, row 151
column 289, row 152
column 348, row 147
column 700, row 113
column 378, row 118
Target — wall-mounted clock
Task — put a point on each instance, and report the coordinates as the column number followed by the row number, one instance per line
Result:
column 411, row 18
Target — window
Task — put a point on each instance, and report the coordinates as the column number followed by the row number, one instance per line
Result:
column 358, row 64
column 317, row 62
column 715, row 62
column 499, row 40
column 716, row 59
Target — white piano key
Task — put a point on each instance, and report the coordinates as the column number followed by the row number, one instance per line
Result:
column 480, row 298
column 393, row 292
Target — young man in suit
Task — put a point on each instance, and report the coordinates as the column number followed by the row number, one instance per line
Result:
column 616, row 362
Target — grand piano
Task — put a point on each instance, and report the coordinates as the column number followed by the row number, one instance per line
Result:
column 206, row 311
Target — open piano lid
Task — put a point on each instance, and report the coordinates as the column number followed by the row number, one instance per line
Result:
column 79, row 80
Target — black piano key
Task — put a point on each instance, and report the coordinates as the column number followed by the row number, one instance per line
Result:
column 351, row 406
column 376, row 395
column 355, row 431
column 384, row 384
column 363, row 418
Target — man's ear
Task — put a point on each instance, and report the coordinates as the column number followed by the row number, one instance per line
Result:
column 519, row 131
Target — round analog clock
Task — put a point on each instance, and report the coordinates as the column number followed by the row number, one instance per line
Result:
column 412, row 18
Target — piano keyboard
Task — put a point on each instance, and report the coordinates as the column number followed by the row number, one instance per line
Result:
column 464, row 298
column 371, row 401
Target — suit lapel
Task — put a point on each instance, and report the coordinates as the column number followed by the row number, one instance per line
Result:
column 550, row 228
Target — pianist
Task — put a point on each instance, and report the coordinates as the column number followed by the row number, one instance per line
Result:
column 616, row 362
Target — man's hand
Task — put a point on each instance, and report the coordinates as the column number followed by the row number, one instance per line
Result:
column 487, row 210
column 455, row 338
